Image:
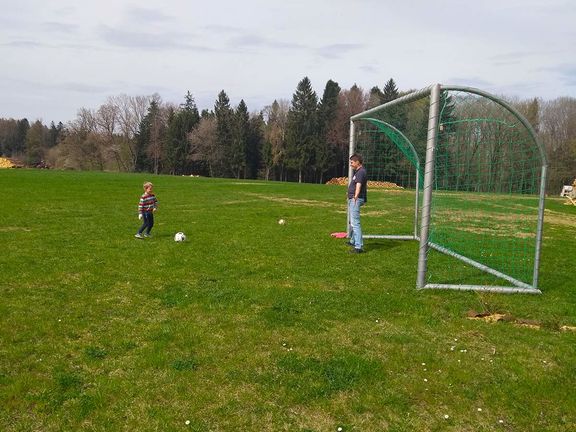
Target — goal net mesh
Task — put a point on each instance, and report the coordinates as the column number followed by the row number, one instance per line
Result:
column 486, row 185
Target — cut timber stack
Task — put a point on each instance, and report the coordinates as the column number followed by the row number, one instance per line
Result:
column 343, row 181
column 6, row 163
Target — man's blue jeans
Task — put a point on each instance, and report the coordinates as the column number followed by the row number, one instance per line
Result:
column 354, row 228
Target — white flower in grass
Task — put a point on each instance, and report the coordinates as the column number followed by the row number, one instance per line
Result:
column 446, row 416
column 187, row 422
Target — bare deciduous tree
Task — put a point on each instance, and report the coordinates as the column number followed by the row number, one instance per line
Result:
column 204, row 146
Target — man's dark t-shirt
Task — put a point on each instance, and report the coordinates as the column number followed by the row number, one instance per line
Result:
column 359, row 176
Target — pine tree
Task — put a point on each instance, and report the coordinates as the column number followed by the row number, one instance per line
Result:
column 390, row 91
column 325, row 151
column 302, row 129
column 20, row 142
column 237, row 156
column 375, row 98
column 36, row 143
column 224, row 118
column 143, row 138
column 180, row 124
column 254, row 145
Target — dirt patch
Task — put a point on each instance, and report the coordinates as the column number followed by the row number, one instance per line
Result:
column 557, row 218
column 11, row 229
column 499, row 317
column 296, row 202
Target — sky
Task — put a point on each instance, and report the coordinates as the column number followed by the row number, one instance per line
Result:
column 59, row 56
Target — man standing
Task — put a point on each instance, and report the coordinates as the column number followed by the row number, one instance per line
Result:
column 356, row 199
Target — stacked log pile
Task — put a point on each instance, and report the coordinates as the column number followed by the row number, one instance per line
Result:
column 8, row 163
column 343, row 181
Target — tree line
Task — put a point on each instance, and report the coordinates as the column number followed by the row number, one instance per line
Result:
column 305, row 139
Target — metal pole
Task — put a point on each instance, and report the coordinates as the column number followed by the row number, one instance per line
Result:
column 350, row 153
column 539, row 226
column 417, row 200
column 428, row 183
column 410, row 97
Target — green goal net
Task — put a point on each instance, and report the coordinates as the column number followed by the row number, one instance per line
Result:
column 463, row 173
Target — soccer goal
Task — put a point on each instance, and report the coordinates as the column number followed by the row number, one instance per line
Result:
column 463, row 173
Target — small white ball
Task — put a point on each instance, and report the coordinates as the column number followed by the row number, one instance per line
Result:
column 281, row 221
column 179, row 237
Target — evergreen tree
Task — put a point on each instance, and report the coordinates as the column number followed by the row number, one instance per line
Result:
column 180, row 124
column 206, row 113
column 302, row 128
column 36, row 143
column 237, row 155
column 52, row 135
column 390, row 91
column 325, row 151
column 375, row 97
column 20, row 141
column 254, row 145
column 224, row 136
column 143, row 162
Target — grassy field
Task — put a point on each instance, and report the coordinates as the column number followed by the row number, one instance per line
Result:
column 254, row 326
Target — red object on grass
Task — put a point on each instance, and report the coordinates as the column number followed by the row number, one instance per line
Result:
column 339, row 234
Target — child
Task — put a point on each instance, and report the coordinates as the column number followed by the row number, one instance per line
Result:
column 146, row 208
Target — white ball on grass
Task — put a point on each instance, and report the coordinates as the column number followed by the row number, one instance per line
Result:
column 179, row 237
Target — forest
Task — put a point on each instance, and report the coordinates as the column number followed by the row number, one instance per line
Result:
column 302, row 140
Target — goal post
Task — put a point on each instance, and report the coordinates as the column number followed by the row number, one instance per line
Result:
column 475, row 172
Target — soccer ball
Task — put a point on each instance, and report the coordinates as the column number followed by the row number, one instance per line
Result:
column 179, row 237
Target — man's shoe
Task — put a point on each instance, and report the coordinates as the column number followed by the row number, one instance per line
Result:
column 147, row 235
column 140, row 236
column 356, row 251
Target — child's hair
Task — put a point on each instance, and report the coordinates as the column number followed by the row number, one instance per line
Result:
column 147, row 184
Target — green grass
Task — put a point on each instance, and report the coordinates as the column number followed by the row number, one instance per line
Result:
column 250, row 325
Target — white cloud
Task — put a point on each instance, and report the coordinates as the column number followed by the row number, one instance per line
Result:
column 62, row 55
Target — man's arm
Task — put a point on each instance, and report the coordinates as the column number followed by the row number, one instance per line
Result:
column 357, row 191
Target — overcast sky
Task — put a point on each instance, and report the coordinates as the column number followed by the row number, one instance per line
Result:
column 61, row 55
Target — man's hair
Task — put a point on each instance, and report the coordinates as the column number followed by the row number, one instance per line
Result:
column 356, row 158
